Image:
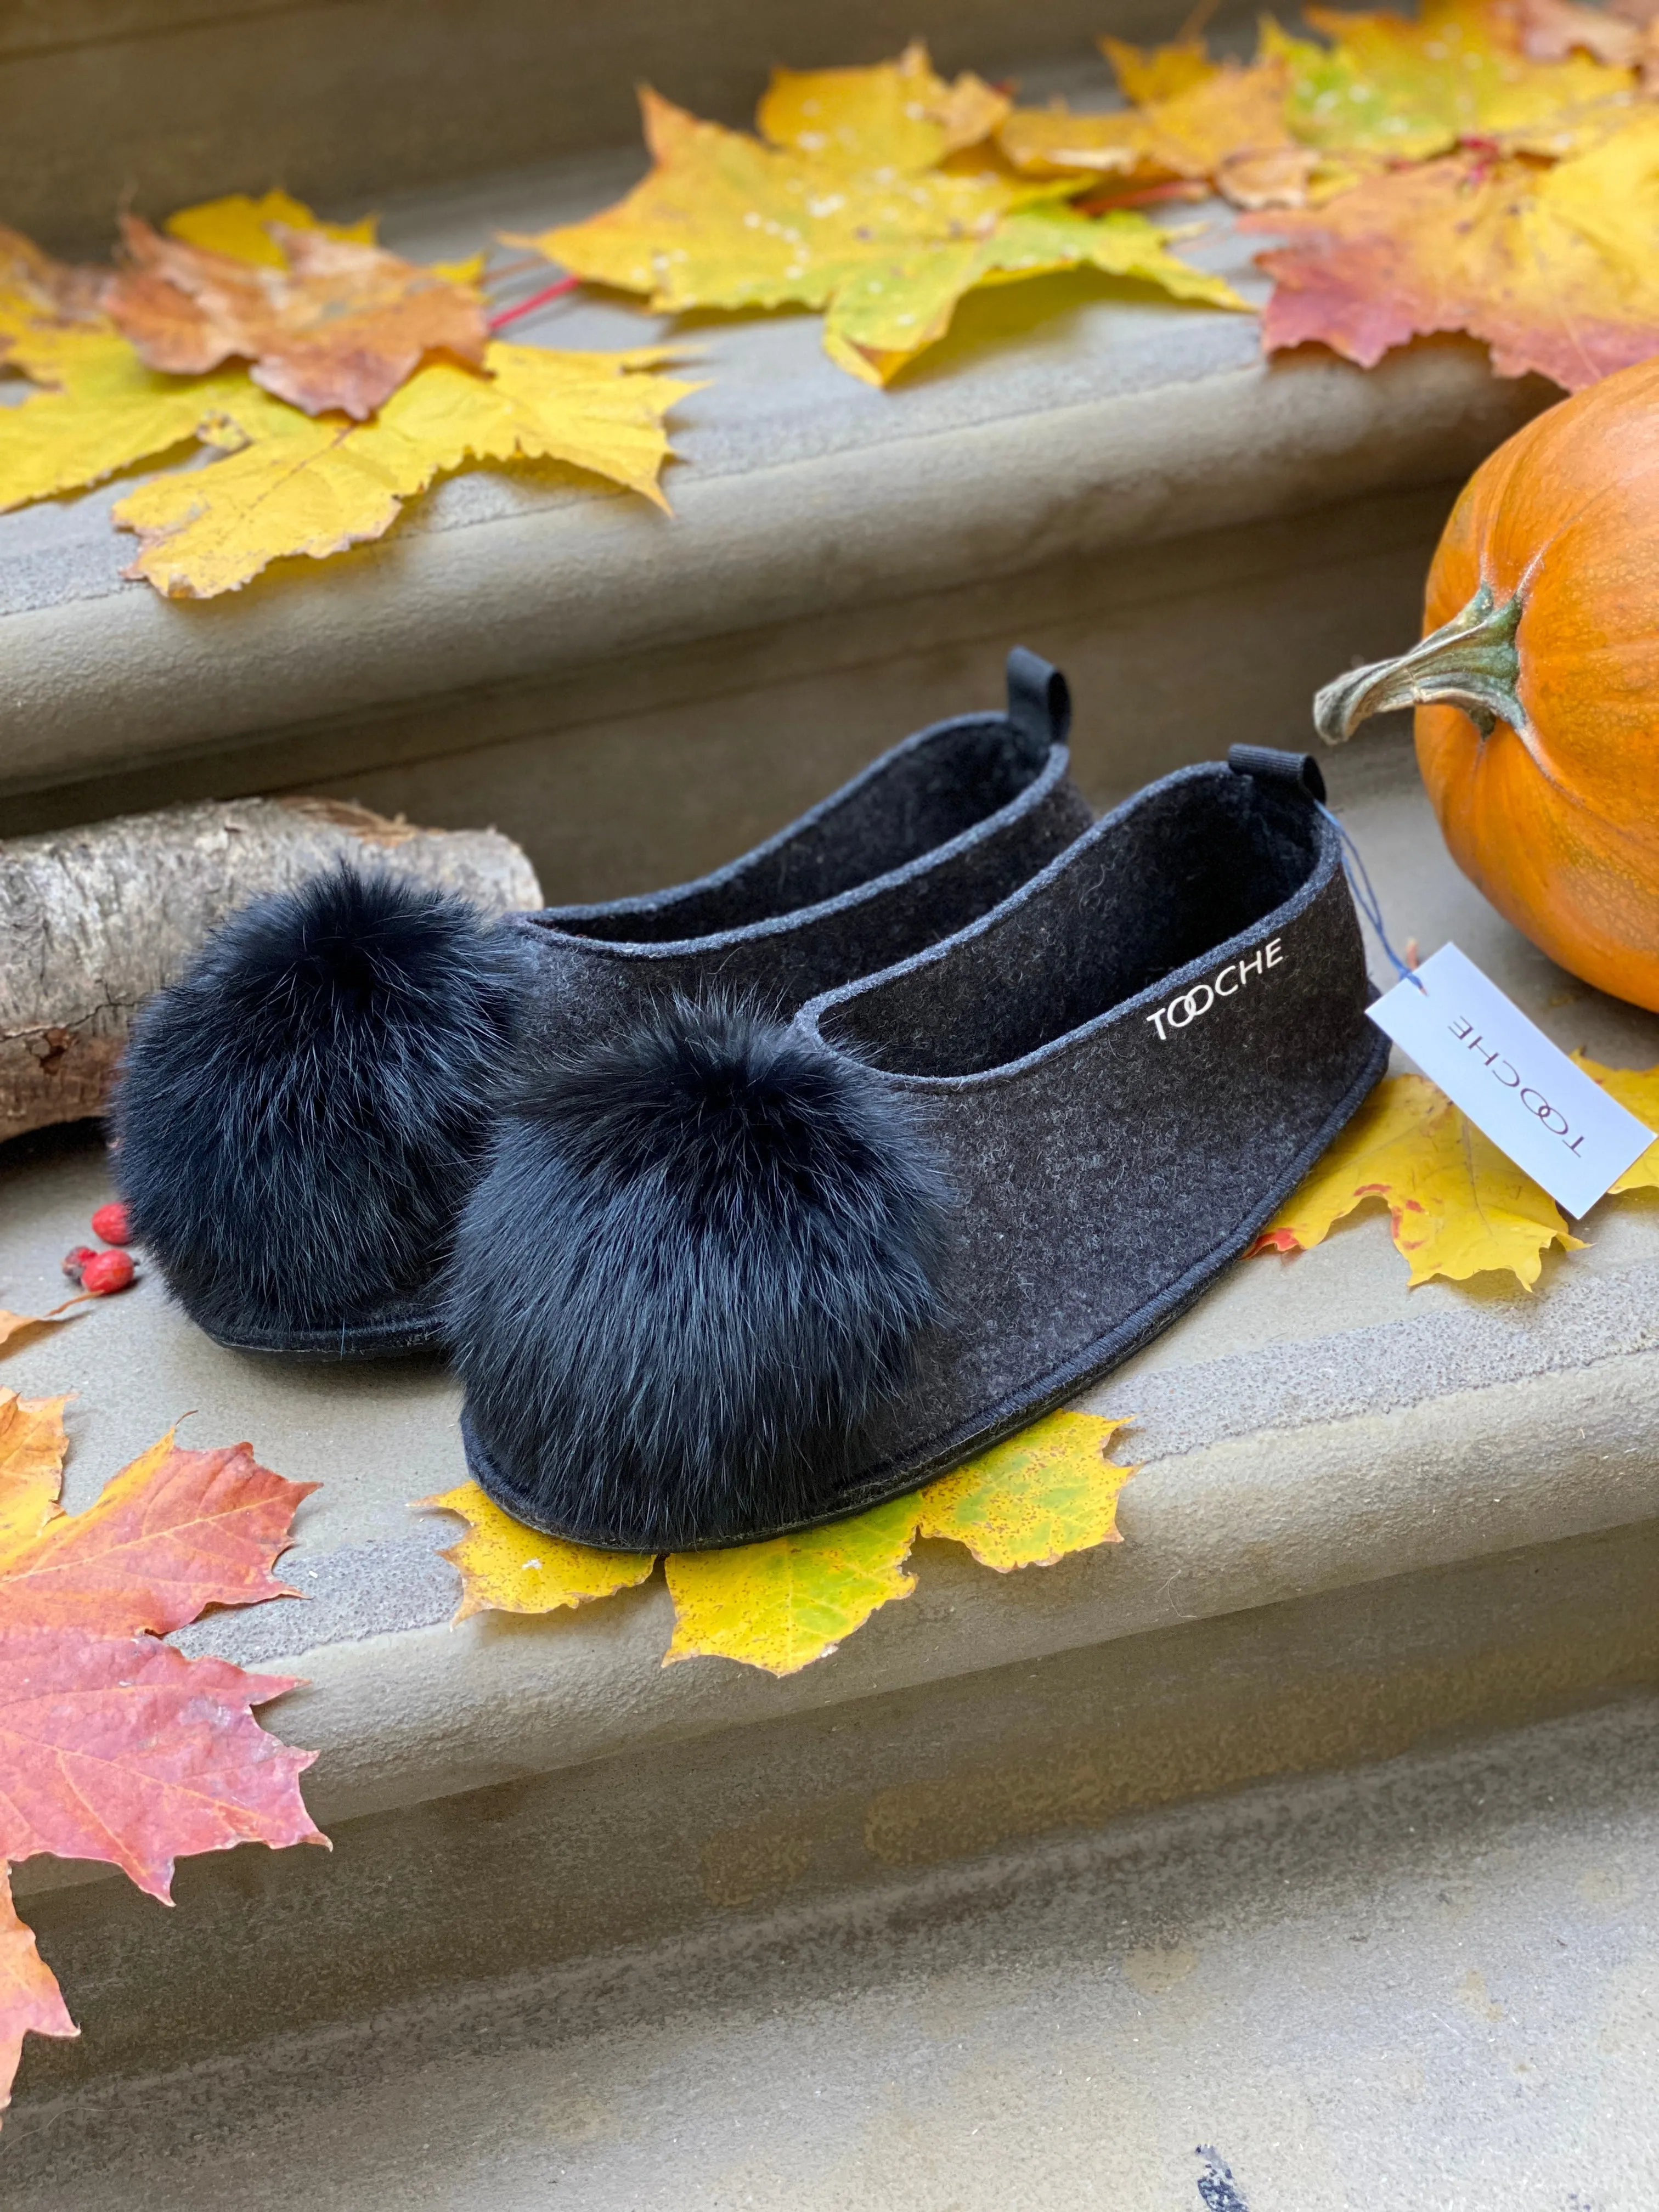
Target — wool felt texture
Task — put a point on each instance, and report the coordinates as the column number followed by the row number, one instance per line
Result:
column 701, row 1253
column 1120, row 1072
column 934, row 834
column 300, row 1116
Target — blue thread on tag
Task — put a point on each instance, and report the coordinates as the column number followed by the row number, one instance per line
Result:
column 1359, row 884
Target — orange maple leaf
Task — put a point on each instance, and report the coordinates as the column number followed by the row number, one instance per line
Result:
column 114, row 1745
column 1552, row 267
column 56, row 289
column 340, row 326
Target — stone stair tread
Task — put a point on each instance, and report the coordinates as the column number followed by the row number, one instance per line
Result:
column 1067, row 415
column 1428, row 1983
column 1310, row 1425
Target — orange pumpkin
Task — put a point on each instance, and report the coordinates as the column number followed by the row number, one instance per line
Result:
column 1536, row 685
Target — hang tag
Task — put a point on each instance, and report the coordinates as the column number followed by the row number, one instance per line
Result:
column 1547, row 1116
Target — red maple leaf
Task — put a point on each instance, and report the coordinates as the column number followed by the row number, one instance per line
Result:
column 114, row 1745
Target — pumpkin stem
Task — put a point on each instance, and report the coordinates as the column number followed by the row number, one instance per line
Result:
column 1471, row 661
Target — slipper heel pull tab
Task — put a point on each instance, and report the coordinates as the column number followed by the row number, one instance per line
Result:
column 1039, row 700
column 1300, row 771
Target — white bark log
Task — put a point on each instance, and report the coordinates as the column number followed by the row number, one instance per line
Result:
column 93, row 920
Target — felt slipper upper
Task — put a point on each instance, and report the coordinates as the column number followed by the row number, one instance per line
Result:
column 1118, row 1073
column 930, row 836
column 301, row 1115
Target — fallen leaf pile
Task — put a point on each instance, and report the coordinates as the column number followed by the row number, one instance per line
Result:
column 114, row 1745
column 1491, row 166
column 1457, row 1207
column 335, row 380
column 875, row 195
column 779, row 1604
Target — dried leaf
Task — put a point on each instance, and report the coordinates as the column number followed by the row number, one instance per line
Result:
column 33, row 285
column 242, row 227
column 114, row 1745
column 507, row 1568
column 120, row 1748
column 338, row 325
column 311, row 488
column 1637, row 1089
column 31, row 2002
column 882, row 319
column 1145, row 73
column 725, row 221
column 33, row 1446
column 16, row 1324
column 1552, row 267
column 103, row 410
column 1551, row 30
column 1043, row 1495
column 1407, row 89
column 1232, row 114
column 782, row 1604
column 1457, row 1207
column 900, row 114
column 174, row 1533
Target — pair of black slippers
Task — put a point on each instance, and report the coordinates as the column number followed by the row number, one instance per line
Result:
column 750, row 1204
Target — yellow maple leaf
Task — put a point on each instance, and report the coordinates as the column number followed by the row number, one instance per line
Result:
column 1034, row 1499
column 1408, row 88
column 1457, row 1207
column 241, row 226
column 1145, row 73
column 883, row 317
column 33, row 1446
column 507, row 1568
column 1637, row 1089
column 311, row 486
column 1191, row 133
column 104, row 411
column 726, row 221
column 782, row 1604
column 901, row 114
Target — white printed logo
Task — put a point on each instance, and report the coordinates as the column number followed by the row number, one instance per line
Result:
column 1188, row 1005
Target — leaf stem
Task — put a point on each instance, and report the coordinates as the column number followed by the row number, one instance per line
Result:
column 549, row 292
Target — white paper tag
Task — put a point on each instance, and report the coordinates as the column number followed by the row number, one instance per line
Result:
column 1548, row 1116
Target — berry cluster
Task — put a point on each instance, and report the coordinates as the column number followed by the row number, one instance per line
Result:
column 100, row 1273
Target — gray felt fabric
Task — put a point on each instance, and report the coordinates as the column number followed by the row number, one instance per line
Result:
column 929, row 837
column 1124, row 1067
column 1127, row 1068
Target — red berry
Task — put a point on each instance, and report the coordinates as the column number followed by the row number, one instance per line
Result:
column 105, row 1272
column 110, row 1222
column 74, row 1261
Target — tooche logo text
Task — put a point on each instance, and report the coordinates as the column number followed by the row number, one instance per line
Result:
column 1187, row 1005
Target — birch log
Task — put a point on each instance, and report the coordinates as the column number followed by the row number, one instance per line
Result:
column 93, row 920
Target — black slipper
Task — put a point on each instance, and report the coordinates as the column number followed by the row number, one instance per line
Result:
column 299, row 1117
column 935, row 832
column 726, row 1279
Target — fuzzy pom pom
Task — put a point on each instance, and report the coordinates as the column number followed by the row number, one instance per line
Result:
column 300, row 1116
column 697, row 1261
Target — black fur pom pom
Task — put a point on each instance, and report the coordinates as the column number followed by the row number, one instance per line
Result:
column 697, row 1260
column 301, row 1115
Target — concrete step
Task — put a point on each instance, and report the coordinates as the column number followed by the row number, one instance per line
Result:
column 1429, row 1983
column 1121, row 481
column 1369, row 1520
